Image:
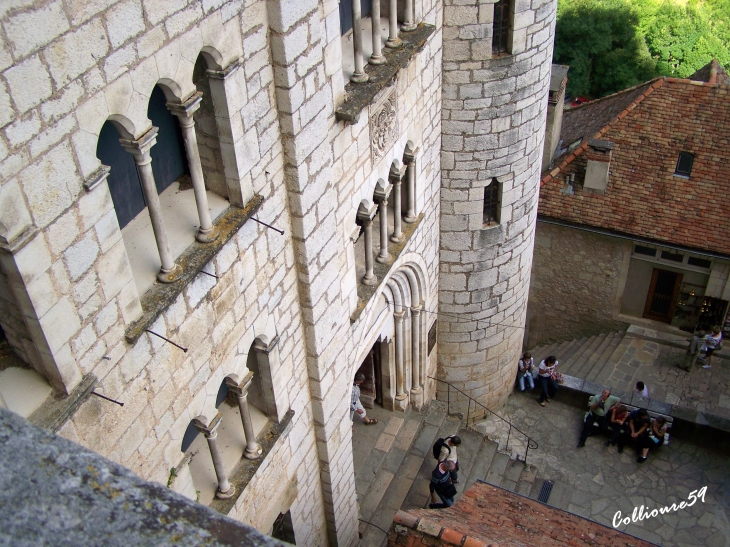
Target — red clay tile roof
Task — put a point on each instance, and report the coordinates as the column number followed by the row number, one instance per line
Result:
column 644, row 198
column 489, row 516
column 712, row 73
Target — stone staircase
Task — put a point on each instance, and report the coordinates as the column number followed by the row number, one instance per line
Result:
column 591, row 358
column 480, row 458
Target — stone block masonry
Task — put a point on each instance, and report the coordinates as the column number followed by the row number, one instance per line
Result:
column 493, row 128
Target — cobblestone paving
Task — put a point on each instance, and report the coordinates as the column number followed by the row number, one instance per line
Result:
column 596, row 481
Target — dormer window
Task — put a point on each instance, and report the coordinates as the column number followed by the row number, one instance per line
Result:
column 684, row 164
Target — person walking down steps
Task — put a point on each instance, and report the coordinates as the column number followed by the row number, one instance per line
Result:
column 445, row 450
column 442, row 485
column 355, row 404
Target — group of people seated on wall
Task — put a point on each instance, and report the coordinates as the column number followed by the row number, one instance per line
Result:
column 622, row 427
column 547, row 375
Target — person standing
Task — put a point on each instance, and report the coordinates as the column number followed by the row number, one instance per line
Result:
column 442, row 485
column 642, row 389
column 448, row 453
column 712, row 342
column 355, row 404
column 546, row 376
column 598, row 407
column 693, row 350
column 524, row 371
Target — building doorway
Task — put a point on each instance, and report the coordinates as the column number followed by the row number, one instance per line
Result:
column 662, row 296
column 371, row 390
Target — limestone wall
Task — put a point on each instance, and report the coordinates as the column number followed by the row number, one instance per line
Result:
column 494, row 113
column 575, row 286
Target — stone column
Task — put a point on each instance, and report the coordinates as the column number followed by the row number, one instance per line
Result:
column 396, row 177
column 416, row 350
column 225, row 489
column 253, row 449
column 140, row 149
column 410, row 19
column 184, row 113
column 365, row 214
column 382, row 192
column 410, row 160
column 359, row 75
column 400, row 391
column 393, row 41
column 377, row 58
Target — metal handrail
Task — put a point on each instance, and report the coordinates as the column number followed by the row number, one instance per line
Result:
column 531, row 443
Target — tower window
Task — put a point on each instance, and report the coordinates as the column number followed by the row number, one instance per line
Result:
column 500, row 28
column 491, row 204
column 684, row 164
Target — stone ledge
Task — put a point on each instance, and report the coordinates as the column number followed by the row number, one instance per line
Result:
column 246, row 469
column 366, row 292
column 359, row 96
column 55, row 411
column 161, row 295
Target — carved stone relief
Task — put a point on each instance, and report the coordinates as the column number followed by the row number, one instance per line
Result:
column 383, row 124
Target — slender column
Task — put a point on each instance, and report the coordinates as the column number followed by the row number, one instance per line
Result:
column 225, row 488
column 410, row 18
column 140, row 149
column 410, row 160
column 253, row 449
column 400, row 392
column 416, row 325
column 184, row 113
column 393, row 41
column 377, row 58
column 395, row 177
column 382, row 192
column 365, row 214
column 359, row 75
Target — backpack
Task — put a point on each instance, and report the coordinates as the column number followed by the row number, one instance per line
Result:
column 441, row 442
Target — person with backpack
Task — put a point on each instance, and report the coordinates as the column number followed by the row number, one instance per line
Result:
column 445, row 450
column 442, row 485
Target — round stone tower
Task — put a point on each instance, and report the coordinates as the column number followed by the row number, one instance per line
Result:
column 496, row 72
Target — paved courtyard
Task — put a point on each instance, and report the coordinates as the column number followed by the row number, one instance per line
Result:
column 596, row 482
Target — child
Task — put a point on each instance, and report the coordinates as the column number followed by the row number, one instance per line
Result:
column 712, row 342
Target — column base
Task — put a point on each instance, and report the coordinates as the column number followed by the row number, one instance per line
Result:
column 397, row 239
column 377, row 60
column 394, row 44
column 170, row 276
column 410, row 219
column 253, row 454
column 226, row 495
column 384, row 259
column 359, row 78
column 408, row 27
column 417, row 398
column 369, row 280
column 401, row 402
column 209, row 236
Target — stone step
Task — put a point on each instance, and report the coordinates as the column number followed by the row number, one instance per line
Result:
column 543, row 351
column 526, row 480
column 593, row 359
column 497, row 469
column 574, row 349
column 482, row 462
column 511, row 475
column 600, row 374
column 468, row 452
column 580, row 358
column 604, row 358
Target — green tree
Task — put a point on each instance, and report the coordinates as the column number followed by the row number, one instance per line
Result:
column 600, row 41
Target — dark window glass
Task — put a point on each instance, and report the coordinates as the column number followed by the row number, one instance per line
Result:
column 491, row 203
column 432, row 337
column 168, row 154
column 500, row 27
column 674, row 257
column 699, row 262
column 346, row 13
column 684, row 164
column 641, row 250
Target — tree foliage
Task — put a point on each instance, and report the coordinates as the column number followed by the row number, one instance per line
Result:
column 613, row 44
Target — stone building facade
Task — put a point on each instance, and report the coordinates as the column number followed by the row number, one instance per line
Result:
column 143, row 143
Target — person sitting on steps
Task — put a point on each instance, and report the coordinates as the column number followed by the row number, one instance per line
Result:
column 655, row 438
column 546, row 376
column 524, row 371
column 598, row 407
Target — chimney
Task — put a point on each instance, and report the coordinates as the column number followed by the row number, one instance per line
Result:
column 598, row 155
column 556, row 98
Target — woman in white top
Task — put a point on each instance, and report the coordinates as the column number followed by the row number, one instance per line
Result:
column 524, row 371
column 712, row 342
column 546, row 373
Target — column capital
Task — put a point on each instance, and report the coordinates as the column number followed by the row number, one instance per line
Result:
column 188, row 107
column 399, row 316
column 397, row 171
column 260, row 345
column 140, row 147
column 382, row 191
column 223, row 73
column 208, row 429
column 366, row 211
column 240, row 388
column 409, row 155
column 416, row 310
column 97, row 177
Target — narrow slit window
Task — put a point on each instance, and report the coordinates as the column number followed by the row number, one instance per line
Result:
column 491, row 204
column 684, row 164
column 500, row 27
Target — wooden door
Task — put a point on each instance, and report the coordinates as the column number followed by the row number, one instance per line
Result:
column 662, row 296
